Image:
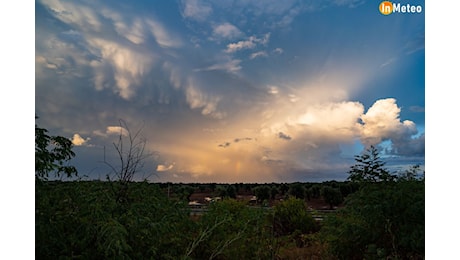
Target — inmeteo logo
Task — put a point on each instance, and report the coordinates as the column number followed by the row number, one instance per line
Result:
column 387, row 7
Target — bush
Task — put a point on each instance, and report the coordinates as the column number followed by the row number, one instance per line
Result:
column 379, row 221
column 292, row 216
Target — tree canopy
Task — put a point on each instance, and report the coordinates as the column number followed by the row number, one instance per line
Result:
column 52, row 154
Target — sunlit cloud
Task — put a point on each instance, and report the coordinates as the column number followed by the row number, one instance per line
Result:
column 77, row 140
column 381, row 122
column 116, row 130
column 164, row 168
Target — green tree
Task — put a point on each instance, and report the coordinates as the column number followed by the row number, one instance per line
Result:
column 380, row 221
column 52, row 154
column 369, row 168
column 262, row 192
column 332, row 196
column 297, row 190
column 412, row 174
column 291, row 215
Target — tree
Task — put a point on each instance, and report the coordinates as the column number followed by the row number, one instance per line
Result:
column 131, row 157
column 290, row 216
column 369, row 168
column 380, row 221
column 412, row 174
column 262, row 192
column 297, row 190
column 52, row 154
column 332, row 196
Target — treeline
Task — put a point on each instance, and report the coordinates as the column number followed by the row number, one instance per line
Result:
column 332, row 192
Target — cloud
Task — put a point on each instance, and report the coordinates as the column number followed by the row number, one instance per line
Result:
column 226, row 31
column 77, row 140
column 162, row 36
column 250, row 43
column 198, row 99
column 278, row 50
column 116, row 130
column 382, row 122
column 226, row 144
column 164, row 168
column 231, row 66
column 258, row 54
column 417, row 109
column 284, row 136
column 124, row 65
column 196, row 10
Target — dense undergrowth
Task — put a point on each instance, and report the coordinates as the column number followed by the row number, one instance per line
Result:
column 136, row 220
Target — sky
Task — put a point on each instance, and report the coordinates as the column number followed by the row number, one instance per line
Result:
column 232, row 91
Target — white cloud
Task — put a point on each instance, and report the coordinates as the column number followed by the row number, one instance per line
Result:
column 382, row 122
column 196, row 10
column 258, row 54
column 127, row 65
column 116, row 130
column 227, row 31
column 250, row 43
column 278, row 51
column 77, row 140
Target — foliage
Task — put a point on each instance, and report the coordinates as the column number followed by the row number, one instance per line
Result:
column 369, row 168
column 297, row 190
column 83, row 220
column 52, row 154
column 290, row 216
column 262, row 192
column 332, row 196
column 380, row 221
column 231, row 230
column 412, row 174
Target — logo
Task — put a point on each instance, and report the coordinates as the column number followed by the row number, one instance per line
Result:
column 387, row 8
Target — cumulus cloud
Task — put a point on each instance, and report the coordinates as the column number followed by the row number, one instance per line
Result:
column 77, row 140
column 381, row 122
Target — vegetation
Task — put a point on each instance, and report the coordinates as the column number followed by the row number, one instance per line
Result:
column 52, row 154
column 374, row 215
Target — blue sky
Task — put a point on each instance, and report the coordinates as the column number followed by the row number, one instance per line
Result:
column 233, row 91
